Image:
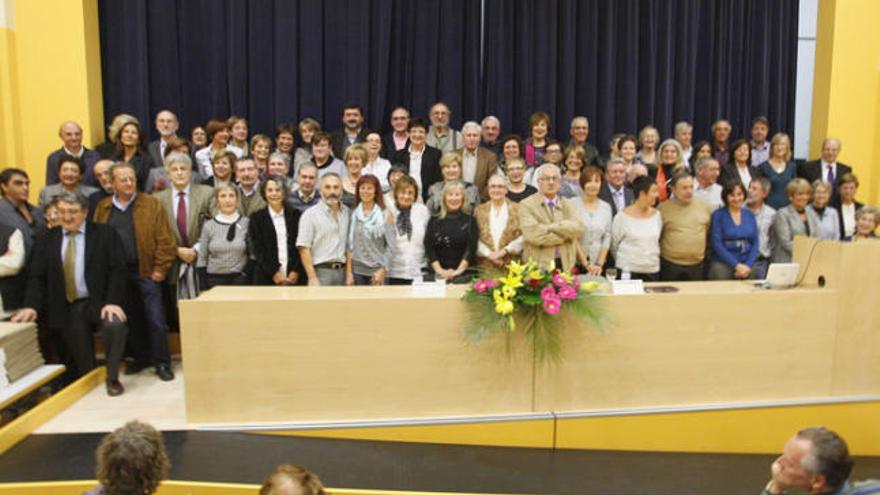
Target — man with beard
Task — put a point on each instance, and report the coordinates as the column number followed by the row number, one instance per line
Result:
column 440, row 135
column 353, row 130
column 323, row 232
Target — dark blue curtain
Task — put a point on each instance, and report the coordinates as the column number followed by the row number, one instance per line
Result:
column 629, row 63
column 272, row 61
column 623, row 63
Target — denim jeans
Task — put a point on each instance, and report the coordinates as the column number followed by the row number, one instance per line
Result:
column 148, row 332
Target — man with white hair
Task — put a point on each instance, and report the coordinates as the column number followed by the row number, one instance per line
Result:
column 684, row 134
column 71, row 135
column 477, row 163
column 491, row 139
column 580, row 131
column 549, row 223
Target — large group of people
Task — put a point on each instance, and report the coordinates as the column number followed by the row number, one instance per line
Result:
column 133, row 226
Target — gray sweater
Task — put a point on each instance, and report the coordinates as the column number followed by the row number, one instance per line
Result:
column 220, row 256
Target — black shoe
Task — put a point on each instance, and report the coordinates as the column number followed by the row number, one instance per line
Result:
column 114, row 388
column 136, row 366
column 164, row 372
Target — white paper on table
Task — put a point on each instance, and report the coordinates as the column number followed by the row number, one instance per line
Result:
column 627, row 287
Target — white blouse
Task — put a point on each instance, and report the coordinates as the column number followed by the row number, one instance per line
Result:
column 635, row 242
column 498, row 218
column 405, row 257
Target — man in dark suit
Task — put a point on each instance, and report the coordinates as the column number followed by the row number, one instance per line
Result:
column 614, row 190
column 353, row 130
column 827, row 168
column 477, row 163
column 580, row 130
column 167, row 125
column 421, row 161
column 77, row 274
column 71, row 135
column 398, row 138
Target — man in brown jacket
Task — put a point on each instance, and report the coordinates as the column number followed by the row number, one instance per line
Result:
column 149, row 250
column 477, row 163
column 549, row 222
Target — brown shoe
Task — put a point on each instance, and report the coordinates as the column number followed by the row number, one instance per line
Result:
column 114, row 388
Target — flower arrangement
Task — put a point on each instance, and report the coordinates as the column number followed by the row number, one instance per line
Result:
column 534, row 300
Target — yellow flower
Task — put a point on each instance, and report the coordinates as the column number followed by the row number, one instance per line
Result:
column 535, row 275
column 589, row 286
column 512, row 280
column 504, row 307
column 496, row 294
column 511, row 323
column 515, row 268
column 551, row 266
column 508, row 292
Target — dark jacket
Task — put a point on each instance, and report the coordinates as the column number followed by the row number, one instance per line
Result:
column 337, row 139
column 605, row 195
column 104, row 273
column 142, row 163
column 812, row 171
column 89, row 157
column 730, row 173
column 264, row 244
column 430, row 166
column 388, row 146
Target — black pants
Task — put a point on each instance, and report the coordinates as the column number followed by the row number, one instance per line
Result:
column 673, row 272
column 215, row 279
column 79, row 343
column 645, row 277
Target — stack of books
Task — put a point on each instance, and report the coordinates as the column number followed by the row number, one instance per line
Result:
column 19, row 352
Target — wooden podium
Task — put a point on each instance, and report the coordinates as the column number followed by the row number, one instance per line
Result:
column 301, row 355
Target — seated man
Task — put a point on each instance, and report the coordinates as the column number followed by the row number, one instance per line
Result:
column 816, row 460
column 550, row 226
column 77, row 274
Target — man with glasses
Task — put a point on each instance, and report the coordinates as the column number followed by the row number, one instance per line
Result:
column 440, row 135
column 550, row 226
column 398, row 138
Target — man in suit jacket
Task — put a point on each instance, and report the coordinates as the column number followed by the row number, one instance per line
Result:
column 580, row 130
column 550, row 225
column 352, row 131
column 167, row 125
column 421, row 161
column 71, row 135
column 827, row 168
column 477, row 163
column 77, row 275
column 398, row 138
column 614, row 190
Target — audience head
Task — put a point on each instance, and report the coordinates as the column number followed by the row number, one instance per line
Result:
column 226, row 197
column 579, row 130
column 760, row 129
column 682, row 186
column 491, row 129
column 497, row 187
column 418, row 132
column 307, row 128
column 549, row 180
column 395, row 173
column 867, row 219
column 307, row 178
column 279, row 164
column 721, row 131
column 450, row 166
column 511, row 147
column 591, row 180
column 246, row 173
column 759, row 188
column 261, row 146
column 179, row 169
column 684, row 133
column 701, row 149
column 452, row 199
column 356, row 158
column 400, row 119
column 707, row 170
column 645, row 190
column 553, row 153
column 130, row 136
column 539, row 126
column 70, row 170
column 670, row 153
column 352, row 116
column 440, row 115
column 102, row 173
column 575, row 158
column 71, row 135
column 649, row 137
column 780, row 146
column 222, row 165
column 799, row 191
column 50, row 213
column 331, row 189
column 830, row 149
column 116, row 125
column 284, row 137
column 734, row 194
column 199, row 137
column 15, row 185
column 405, row 191
column 274, row 191
column 218, row 132
column 132, row 459
column 815, row 459
column 289, row 479
column 238, row 128
column 847, row 185
column 626, row 148
column 515, row 169
column 615, row 172
column 176, row 144
column 471, row 133
column 367, row 189
column 167, row 124
column 73, row 208
column 741, row 152
column 821, row 193
column 613, row 144
column 373, row 144
column 321, row 146
column 123, row 180
column 636, row 170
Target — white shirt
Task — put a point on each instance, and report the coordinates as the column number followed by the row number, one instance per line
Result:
column 825, row 167
column 635, row 242
column 468, row 165
column 82, row 149
column 744, row 175
column 415, row 165
column 205, row 156
column 848, row 213
column 406, row 257
column 711, row 195
column 379, row 168
column 686, row 154
column 498, row 218
column 281, row 236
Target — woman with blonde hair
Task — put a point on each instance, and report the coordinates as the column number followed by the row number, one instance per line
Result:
column 451, row 168
column 671, row 163
column 451, row 237
column 793, row 219
column 779, row 169
column 356, row 157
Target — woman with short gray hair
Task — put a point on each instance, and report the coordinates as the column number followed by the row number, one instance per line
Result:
column 829, row 220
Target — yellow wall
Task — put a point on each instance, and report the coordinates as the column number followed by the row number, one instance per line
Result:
column 50, row 71
column 846, row 92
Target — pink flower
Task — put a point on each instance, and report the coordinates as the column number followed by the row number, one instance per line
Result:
column 559, row 280
column 548, row 293
column 567, row 292
column 552, row 305
column 484, row 285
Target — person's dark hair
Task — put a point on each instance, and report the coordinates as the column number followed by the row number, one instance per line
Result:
column 321, row 136
column 352, row 106
column 369, row 179
column 829, row 456
column 615, row 140
column 120, row 149
column 394, row 169
column 214, row 126
column 417, row 122
column 513, row 137
column 642, row 184
column 8, row 173
column 678, row 177
column 132, row 459
column 537, row 117
column 65, row 158
column 760, row 119
column 283, row 476
column 174, row 144
column 731, row 186
column 279, row 181
column 736, row 144
column 625, row 138
column 285, row 128
column 695, row 149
